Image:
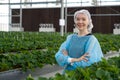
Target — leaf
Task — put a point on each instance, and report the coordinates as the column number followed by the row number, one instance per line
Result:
column 29, row 77
column 42, row 78
column 103, row 74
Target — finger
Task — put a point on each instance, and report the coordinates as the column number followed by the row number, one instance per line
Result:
column 63, row 50
column 85, row 59
column 86, row 55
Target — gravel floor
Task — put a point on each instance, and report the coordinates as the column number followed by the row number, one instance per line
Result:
column 17, row 74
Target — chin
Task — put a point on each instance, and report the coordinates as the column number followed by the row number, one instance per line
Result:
column 80, row 29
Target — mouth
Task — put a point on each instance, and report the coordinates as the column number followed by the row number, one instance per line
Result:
column 79, row 26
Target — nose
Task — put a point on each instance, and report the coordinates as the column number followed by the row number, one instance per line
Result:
column 79, row 21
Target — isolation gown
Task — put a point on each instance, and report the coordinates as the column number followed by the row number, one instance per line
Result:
column 76, row 46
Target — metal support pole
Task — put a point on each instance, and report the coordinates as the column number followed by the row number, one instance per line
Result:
column 20, row 15
column 9, row 17
column 66, row 17
column 61, row 22
column 100, row 2
column 81, row 2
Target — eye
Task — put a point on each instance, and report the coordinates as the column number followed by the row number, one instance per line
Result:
column 83, row 19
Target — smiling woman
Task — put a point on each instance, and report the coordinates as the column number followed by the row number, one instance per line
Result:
column 83, row 19
column 81, row 49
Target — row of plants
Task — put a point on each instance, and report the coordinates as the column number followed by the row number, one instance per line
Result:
column 109, row 42
column 104, row 70
column 18, row 41
column 26, row 60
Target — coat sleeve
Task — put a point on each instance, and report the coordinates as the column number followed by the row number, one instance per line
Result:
column 60, row 58
column 93, row 48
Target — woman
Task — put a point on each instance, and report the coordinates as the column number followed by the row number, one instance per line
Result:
column 81, row 49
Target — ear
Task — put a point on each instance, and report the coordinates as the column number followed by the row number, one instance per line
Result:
column 90, row 21
column 75, row 25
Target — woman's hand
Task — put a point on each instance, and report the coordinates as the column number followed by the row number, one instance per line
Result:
column 84, row 57
column 65, row 52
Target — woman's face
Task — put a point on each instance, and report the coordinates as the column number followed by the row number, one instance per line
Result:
column 82, row 22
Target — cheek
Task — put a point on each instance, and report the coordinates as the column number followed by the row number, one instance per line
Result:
column 87, row 22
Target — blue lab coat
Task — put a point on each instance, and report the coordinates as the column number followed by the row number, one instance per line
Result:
column 76, row 46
